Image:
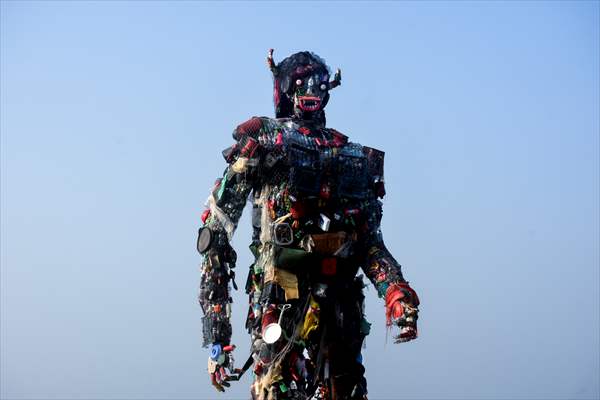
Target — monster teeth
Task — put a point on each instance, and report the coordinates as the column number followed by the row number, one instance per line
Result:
column 309, row 104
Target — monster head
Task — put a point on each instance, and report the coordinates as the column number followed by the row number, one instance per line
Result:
column 301, row 86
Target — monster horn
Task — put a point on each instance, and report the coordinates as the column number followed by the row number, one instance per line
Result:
column 337, row 79
column 271, row 63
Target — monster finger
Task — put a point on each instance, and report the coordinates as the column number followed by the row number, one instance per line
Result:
column 213, row 379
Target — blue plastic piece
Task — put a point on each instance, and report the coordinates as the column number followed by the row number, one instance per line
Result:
column 215, row 352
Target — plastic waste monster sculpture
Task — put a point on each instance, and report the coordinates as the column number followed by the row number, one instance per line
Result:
column 316, row 216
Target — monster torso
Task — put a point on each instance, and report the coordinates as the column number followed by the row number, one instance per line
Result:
column 316, row 179
column 316, row 218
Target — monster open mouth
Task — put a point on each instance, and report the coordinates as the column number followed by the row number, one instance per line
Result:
column 309, row 103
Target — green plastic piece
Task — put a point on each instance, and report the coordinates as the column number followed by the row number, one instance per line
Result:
column 290, row 259
column 222, row 188
column 365, row 327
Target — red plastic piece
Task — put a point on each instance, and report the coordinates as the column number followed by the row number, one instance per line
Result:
column 276, row 96
column 249, row 148
column 205, row 215
column 253, row 125
column 304, row 130
column 293, row 370
column 229, row 348
column 297, row 210
column 396, row 293
column 339, row 139
column 321, row 142
column 325, row 191
column 329, row 266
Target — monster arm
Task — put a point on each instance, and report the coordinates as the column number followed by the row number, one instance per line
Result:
column 380, row 266
column 225, row 205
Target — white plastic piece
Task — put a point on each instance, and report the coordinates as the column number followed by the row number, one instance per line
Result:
column 272, row 333
column 324, row 222
column 265, row 218
column 221, row 216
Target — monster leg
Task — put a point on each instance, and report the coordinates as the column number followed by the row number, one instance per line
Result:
column 280, row 367
column 340, row 363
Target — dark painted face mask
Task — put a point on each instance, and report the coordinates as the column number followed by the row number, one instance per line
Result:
column 310, row 93
column 301, row 86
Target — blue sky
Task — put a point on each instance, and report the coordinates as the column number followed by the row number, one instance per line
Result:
column 113, row 116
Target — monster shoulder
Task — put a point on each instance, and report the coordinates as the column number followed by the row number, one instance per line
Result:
column 250, row 137
column 368, row 160
column 375, row 167
column 360, row 166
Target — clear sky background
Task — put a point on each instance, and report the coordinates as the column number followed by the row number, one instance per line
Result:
column 113, row 116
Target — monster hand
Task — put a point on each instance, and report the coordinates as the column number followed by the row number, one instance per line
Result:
column 221, row 358
column 401, row 303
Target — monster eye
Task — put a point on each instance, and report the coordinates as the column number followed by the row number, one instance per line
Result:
column 323, row 86
column 299, row 82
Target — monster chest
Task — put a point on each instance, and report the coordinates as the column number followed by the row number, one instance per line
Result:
column 315, row 166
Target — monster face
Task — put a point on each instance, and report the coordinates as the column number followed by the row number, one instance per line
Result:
column 310, row 93
column 301, row 86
